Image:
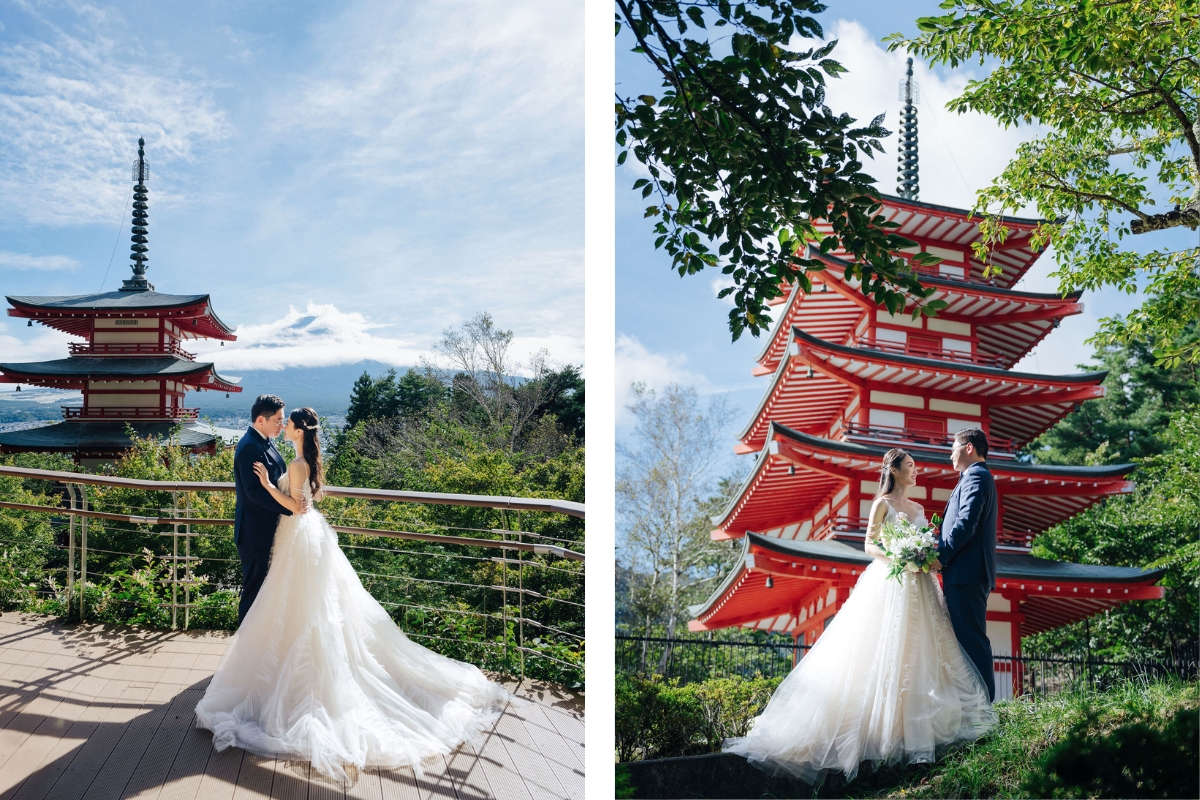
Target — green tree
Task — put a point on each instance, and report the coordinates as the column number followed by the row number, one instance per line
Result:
column 1159, row 523
column 565, row 388
column 664, row 482
column 417, row 393
column 1131, row 420
column 362, row 400
column 1116, row 86
column 743, row 153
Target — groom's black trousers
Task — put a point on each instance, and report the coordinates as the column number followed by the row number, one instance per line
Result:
column 967, row 604
column 255, row 561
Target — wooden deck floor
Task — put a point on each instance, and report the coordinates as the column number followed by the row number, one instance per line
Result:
column 95, row 712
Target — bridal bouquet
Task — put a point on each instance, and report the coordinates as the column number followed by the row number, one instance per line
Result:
column 911, row 549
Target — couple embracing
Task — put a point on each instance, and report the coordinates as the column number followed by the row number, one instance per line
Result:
column 905, row 667
column 317, row 670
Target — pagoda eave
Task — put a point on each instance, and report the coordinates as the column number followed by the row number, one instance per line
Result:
column 816, row 380
column 74, row 314
column 1008, row 323
column 806, row 575
column 101, row 439
column 77, row 372
column 796, row 474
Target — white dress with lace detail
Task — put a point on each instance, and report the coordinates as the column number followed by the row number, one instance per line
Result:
column 886, row 682
column 319, row 672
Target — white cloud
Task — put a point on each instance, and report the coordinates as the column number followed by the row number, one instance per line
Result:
column 19, row 343
column 323, row 336
column 318, row 336
column 417, row 93
column 25, row 261
column 73, row 105
column 636, row 363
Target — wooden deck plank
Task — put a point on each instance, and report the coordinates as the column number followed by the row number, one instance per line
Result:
column 110, row 780
column 466, row 770
column 535, row 770
column 65, row 736
column 86, row 763
column 555, row 749
column 403, row 784
column 322, row 787
column 496, row 762
column 367, row 787
column 291, row 781
column 103, row 712
column 156, row 760
column 569, row 728
column 221, row 774
column 187, row 770
column 255, row 779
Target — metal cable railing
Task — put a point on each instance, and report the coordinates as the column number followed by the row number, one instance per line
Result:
column 692, row 660
column 519, row 551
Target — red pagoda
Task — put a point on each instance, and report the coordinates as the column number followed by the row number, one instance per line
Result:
column 848, row 382
column 131, row 367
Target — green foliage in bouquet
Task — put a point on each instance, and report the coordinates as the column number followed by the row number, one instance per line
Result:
column 910, row 548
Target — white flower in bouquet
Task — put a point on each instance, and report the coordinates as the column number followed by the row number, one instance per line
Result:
column 910, row 548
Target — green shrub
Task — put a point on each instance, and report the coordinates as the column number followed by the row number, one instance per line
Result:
column 1134, row 760
column 657, row 718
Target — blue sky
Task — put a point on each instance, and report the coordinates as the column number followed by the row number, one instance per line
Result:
column 673, row 329
column 346, row 179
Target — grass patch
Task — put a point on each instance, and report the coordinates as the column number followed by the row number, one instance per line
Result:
column 999, row 764
column 657, row 719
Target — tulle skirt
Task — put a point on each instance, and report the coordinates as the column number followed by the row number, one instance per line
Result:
column 319, row 672
column 887, row 682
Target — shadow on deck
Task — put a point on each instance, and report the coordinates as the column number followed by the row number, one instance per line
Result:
column 104, row 711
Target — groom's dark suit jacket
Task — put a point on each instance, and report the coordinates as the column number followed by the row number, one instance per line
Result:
column 257, row 513
column 967, row 548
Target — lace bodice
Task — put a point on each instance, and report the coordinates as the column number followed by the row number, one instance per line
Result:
column 284, row 486
column 892, row 513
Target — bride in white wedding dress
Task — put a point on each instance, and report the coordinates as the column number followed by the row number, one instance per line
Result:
column 319, row 672
column 887, row 681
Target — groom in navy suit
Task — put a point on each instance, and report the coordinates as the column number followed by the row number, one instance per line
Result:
column 967, row 550
column 257, row 513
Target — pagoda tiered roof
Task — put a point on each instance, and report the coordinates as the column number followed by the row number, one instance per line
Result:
column 1009, row 323
column 937, row 228
column 192, row 314
column 817, row 379
column 76, row 372
column 805, row 573
column 102, row 439
column 797, row 475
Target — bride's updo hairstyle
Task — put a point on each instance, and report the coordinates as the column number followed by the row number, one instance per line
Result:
column 305, row 419
column 892, row 459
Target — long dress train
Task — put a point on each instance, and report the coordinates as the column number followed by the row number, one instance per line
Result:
column 887, row 682
column 319, row 672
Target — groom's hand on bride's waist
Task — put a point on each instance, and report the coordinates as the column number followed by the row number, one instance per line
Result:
column 936, row 566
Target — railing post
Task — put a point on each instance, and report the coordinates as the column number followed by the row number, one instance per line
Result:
column 174, row 561
column 520, row 602
column 187, row 564
column 504, row 600
column 83, row 526
column 70, row 546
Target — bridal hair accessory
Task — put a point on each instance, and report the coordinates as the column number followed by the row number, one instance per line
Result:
column 911, row 549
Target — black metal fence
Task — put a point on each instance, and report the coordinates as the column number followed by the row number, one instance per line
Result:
column 694, row 660
column 691, row 660
column 1045, row 676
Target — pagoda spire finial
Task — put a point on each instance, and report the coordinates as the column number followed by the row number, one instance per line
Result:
column 141, row 206
column 908, row 185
